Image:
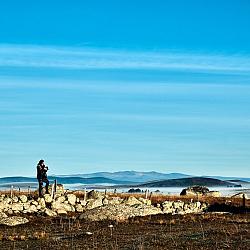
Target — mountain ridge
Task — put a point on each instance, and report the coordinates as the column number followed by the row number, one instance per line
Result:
column 133, row 176
column 139, row 176
column 185, row 182
column 63, row 180
column 123, row 178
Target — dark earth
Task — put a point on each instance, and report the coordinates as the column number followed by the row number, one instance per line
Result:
column 200, row 231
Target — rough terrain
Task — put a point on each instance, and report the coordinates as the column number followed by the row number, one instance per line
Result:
column 96, row 220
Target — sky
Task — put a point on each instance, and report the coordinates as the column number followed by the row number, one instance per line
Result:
column 125, row 85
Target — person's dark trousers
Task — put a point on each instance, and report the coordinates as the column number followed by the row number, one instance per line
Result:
column 47, row 185
column 40, row 181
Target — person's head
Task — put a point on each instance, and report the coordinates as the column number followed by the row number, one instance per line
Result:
column 41, row 162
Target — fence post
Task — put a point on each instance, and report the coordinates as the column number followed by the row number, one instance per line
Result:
column 151, row 193
column 85, row 194
column 55, row 182
column 244, row 202
column 11, row 192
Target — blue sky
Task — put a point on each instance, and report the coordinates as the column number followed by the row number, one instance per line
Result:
column 125, row 85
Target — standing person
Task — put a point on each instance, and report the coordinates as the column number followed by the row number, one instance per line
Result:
column 42, row 177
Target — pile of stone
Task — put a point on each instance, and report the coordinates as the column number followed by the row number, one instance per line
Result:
column 133, row 207
column 180, row 207
column 93, row 206
column 62, row 203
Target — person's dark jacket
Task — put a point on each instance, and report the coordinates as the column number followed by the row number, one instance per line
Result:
column 41, row 171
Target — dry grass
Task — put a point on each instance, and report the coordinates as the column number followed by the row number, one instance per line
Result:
column 155, row 198
column 206, row 231
column 159, row 198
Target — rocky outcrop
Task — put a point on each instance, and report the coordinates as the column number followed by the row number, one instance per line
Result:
column 199, row 190
column 119, row 212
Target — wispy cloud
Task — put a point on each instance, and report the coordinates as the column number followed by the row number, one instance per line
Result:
column 89, row 58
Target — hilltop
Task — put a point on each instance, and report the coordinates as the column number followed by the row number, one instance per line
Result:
column 190, row 181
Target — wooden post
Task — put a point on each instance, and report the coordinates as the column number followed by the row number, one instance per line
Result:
column 146, row 194
column 11, row 192
column 151, row 193
column 85, row 194
column 55, row 182
column 28, row 190
column 244, row 202
column 52, row 191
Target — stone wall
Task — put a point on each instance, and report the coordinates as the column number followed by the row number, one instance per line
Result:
column 96, row 206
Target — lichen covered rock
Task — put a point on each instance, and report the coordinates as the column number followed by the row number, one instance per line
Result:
column 13, row 221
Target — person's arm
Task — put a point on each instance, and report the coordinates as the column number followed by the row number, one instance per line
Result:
column 39, row 171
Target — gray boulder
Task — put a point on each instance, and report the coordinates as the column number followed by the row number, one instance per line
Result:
column 119, row 212
column 83, row 202
column 131, row 201
column 17, row 207
column 60, row 199
column 55, row 205
column 167, row 207
column 105, row 201
column 94, row 195
column 7, row 200
column 48, row 198
column 92, row 203
column 145, row 201
column 68, row 207
column 14, row 199
column 13, row 221
column 3, row 215
column 61, row 212
column 32, row 209
column 71, row 199
column 79, row 208
column 115, row 200
column 2, row 206
column 41, row 202
column 23, row 198
column 50, row 213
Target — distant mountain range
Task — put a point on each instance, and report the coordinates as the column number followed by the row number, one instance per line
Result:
column 141, row 177
column 64, row 180
column 133, row 178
